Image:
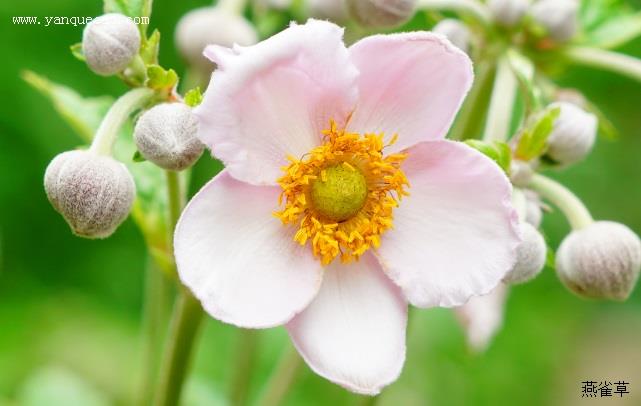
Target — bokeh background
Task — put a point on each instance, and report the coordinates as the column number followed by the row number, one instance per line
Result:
column 70, row 309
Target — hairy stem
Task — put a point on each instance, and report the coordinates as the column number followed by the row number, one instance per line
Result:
column 282, row 378
column 499, row 116
column 473, row 8
column 116, row 117
column 571, row 206
column 606, row 60
column 470, row 118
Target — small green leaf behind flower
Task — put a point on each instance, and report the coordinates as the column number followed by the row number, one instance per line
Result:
column 160, row 79
column 193, row 97
column 532, row 142
column 76, row 51
column 498, row 151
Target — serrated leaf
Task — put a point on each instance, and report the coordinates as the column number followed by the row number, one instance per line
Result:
column 76, row 51
column 498, row 151
column 149, row 49
column 193, row 97
column 533, row 141
column 160, row 79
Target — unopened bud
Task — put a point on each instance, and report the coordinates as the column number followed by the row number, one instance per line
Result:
column 600, row 261
column 573, row 134
column 558, row 17
column 455, row 31
column 94, row 193
column 211, row 25
column 166, row 136
column 533, row 208
column 508, row 13
column 109, row 43
column 333, row 10
column 520, row 173
column 530, row 256
column 381, row 13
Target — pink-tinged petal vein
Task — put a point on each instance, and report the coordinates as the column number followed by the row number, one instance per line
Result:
column 239, row 260
column 410, row 84
column 273, row 99
column 456, row 235
column 353, row 333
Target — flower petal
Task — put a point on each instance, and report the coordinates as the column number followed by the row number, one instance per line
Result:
column 239, row 260
column 456, row 235
column 410, row 84
column 482, row 317
column 353, row 333
column 274, row 98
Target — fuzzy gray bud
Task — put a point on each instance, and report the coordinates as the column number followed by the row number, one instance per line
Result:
column 558, row 17
column 533, row 209
column 109, row 43
column 166, row 136
column 381, row 13
column 573, row 134
column 600, row 261
column 455, row 31
column 333, row 10
column 508, row 13
column 530, row 256
column 94, row 193
column 211, row 25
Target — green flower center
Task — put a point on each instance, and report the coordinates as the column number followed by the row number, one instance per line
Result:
column 339, row 192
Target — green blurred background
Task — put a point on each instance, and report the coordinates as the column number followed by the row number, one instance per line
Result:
column 70, row 309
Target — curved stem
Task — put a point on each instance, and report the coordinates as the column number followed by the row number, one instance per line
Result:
column 233, row 6
column 606, row 60
column 184, row 327
column 243, row 365
column 282, row 378
column 470, row 7
column 499, row 116
column 471, row 116
column 176, row 200
column 116, row 118
column 571, row 206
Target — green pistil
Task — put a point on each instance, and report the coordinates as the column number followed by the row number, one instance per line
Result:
column 341, row 194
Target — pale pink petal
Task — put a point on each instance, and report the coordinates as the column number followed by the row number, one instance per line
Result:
column 273, row 99
column 353, row 333
column 456, row 235
column 410, row 84
column 482, row 317
column 239, row 260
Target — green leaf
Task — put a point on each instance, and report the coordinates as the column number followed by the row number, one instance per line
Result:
column 82, row 114
column 193, row 97
column 498, row 151
column 76, row 51
column 524, row 71
column 533, row 140
column 138, row 157
column 131, row 8
column 149, row 49
column 615, row 31
column 160, row 79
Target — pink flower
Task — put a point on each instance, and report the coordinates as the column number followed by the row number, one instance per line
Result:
column 320, row 221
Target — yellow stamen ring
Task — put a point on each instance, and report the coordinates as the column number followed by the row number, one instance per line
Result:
column 342, row 194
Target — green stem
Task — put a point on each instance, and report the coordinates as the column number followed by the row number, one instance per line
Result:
column 571, row 206
column 243, row 366
column 473, row 8
column 607, row 60
column 282, row 378
column 185, row 324
column 470, row 118
column 155, row 313
column 176, row 200
column 116, row 118
column 499, row 116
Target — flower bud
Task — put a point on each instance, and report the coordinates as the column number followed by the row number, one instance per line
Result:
column 533, row 209
column 530, row 256
column 573, row 134
column 94, row 193
column 508, row 13
column 333, row 10
column 381, row 13
column 482, row 317
column 520, row 173
column 558, row 17
column 166, row 136
column 455, row 31
column 109, row 43
column 600, row 261
column 211, row 25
